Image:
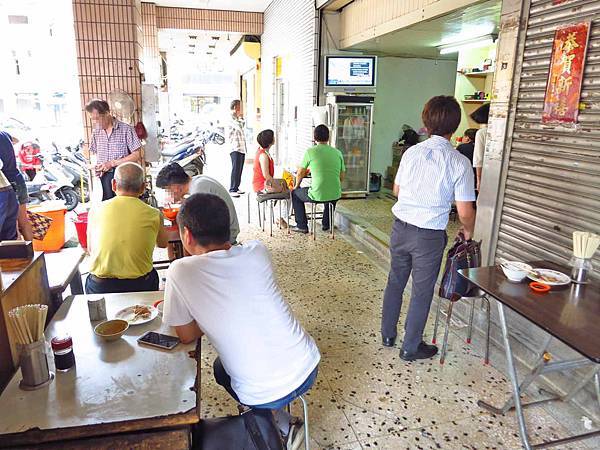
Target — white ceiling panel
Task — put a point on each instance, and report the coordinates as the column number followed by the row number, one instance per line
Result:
column 232, row 5
column 422, row 39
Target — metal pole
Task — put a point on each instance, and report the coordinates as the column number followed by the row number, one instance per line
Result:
column 513, row 379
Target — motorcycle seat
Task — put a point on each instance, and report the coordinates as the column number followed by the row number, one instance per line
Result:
column 172, row 151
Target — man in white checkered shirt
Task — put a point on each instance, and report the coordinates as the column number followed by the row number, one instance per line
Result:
column 236, row 140
column 113, row 142
column 432, row 175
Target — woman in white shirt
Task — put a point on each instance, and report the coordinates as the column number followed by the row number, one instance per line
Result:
column 480, row 116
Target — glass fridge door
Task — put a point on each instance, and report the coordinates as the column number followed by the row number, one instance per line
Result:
column 352, row 139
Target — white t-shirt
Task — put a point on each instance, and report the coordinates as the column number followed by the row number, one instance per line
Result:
column 479, row 149
column 235, row 300
column 203, row 184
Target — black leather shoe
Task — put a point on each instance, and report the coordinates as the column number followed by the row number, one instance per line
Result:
column 388, row 342
column 325, row 228
column 300, row 230
column 424, row 351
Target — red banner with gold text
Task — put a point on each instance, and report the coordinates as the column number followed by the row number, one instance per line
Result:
column 563, row 90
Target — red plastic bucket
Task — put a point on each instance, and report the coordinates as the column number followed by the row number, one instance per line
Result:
column 81, row 227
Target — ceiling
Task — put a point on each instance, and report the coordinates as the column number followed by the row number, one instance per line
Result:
column 422, row 39
column 232, row 5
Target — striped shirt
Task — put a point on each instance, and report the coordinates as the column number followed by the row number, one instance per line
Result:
column 432, row 175
column 122, row 141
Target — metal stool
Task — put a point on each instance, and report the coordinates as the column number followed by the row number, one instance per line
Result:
column 454, row 299
column 271, row 199
column 305, row 413
column 313, row 215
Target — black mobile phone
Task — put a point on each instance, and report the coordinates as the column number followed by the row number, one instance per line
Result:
column 159, row 340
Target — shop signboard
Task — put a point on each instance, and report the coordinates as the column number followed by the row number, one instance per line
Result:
column 563, row 90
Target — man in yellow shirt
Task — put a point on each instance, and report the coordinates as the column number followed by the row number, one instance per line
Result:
column 122, row 233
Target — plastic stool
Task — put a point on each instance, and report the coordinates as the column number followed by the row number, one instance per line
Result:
column 313, row 221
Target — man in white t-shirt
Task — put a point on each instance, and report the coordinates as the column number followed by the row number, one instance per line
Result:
column 229, row 293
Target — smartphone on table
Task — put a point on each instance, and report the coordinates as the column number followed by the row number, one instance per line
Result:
column 159, row 340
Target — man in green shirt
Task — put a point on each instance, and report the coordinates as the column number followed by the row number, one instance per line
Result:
column 327, row 170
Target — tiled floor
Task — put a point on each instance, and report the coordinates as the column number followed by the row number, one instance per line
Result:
column 366, row 397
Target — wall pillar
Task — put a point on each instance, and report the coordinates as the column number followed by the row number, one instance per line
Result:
column 151, row 53
column 108, row 38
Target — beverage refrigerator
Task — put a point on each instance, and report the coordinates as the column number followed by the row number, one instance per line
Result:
column 351, row 124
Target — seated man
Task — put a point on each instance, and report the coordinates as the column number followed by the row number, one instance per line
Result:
column 173, row 178
column 122, row 233
column 327, row 170
column 265, row 358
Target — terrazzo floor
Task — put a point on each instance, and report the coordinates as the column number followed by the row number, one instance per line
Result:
column 365, row 396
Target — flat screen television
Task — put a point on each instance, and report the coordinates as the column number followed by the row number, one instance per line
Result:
column 350, row 71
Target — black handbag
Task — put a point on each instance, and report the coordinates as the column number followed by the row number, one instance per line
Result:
column 252, row 430
column 462, row 255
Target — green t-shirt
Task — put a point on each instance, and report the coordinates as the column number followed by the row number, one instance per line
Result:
column 325, row 164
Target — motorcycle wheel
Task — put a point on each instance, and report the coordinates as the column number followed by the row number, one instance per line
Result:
column 194, row 168
column 86, row 193
column 69, row 196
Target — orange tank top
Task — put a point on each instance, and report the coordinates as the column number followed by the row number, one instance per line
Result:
column 258, row 179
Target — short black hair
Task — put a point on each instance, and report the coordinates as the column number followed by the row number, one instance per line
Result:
column 321, row 133
column 171, row 174
column 265, row 138
column 97, row 104
column 441, row 115
column 234, row 104
column 470, row 133
column 206, row 216
column 482, row 114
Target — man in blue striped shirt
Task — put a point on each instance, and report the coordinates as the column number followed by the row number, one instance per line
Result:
column 432, row 175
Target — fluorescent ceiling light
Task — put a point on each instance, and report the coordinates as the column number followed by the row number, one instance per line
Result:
column 464, row 45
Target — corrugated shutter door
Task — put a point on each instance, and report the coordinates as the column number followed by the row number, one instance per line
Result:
column 553, row 177
column 290, row 31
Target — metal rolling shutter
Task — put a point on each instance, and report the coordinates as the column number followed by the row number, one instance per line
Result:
column 290, row 28
column 553, row 177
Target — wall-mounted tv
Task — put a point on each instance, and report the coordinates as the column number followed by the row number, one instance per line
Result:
column 350, row 71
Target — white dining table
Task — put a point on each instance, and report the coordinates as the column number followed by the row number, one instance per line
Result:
column 115, row 391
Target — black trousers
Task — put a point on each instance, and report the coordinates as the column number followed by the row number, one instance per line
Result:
column 299, row 198
column 416, row 251
column 145, row 283
column 237, row 165
column 106, row 180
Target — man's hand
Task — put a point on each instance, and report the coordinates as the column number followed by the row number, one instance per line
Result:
column 104, row 167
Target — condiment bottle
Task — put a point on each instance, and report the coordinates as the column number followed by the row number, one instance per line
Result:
column 62, row 347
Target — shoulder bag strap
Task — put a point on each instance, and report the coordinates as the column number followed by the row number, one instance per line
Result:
column 254, row 431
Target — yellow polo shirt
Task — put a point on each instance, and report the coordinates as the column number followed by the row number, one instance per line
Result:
column 123, row 232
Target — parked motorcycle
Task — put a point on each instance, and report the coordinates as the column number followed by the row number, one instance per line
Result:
column 58, row 184
column 76, row 169
column 190, row 153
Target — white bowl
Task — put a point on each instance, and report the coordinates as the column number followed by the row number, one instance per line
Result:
column 515, row 271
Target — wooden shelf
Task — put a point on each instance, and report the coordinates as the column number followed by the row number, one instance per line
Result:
column 477, row 74
column 475, row 101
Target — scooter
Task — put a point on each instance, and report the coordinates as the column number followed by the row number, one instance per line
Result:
column 58, row 184
column 193, row 159
column 76, row 170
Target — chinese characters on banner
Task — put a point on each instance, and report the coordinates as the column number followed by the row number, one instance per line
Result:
column 563, row 90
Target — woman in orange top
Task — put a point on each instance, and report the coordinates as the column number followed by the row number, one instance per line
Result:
column 264, row 168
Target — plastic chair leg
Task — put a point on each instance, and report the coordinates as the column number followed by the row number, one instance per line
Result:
column 248, row 197
column 313, row 221
column 306, row 432
column 272, row 218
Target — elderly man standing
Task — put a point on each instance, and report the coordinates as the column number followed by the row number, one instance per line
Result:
column 122, row 234
column 113, row 142
column 237, row 142
column 431, row 176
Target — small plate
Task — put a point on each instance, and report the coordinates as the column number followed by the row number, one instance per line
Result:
column 128, row 314
column 549, row 277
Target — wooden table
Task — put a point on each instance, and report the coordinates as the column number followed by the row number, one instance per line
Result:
column 570, row 315
column 63, row 270
column 120, row 394
column 24, row 281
